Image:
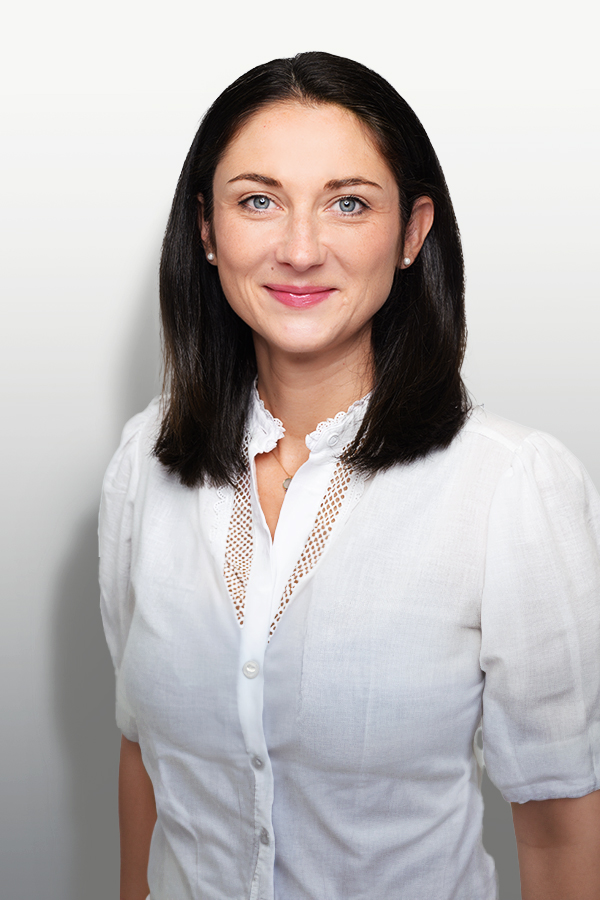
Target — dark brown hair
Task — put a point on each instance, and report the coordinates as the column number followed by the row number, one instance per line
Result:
column 418, row 402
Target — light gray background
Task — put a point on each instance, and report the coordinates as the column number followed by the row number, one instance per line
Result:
column 100, row 103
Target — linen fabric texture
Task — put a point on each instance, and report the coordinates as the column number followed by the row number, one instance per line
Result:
column 341, row 763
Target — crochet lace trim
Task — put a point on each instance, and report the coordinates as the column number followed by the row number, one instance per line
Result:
column 315, row 544
column 239, row 545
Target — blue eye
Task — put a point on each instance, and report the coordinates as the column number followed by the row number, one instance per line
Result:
column 351, row 205
column 258, row 201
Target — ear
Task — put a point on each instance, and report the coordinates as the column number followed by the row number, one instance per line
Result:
column 205, row 231
column 417, row 229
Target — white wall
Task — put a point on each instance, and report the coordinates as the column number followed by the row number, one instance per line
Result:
column 100, row 103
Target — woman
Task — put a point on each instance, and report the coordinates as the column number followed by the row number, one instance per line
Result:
column 319, row 566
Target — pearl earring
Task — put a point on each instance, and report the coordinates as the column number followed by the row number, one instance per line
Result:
column 210, row 256
column 406, row 260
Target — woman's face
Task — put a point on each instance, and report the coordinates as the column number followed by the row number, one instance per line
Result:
column 306, row 227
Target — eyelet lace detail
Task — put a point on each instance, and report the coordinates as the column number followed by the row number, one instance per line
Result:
column 328, row 512
column 239, row 545
column 339, row 417
column 218, row 511
column 269, row 415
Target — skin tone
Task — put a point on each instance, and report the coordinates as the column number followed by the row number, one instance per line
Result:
column 137, row 817
column 303, row 197
column 558, row 843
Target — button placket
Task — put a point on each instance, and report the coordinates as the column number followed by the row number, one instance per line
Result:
column 250, row 698
column 272, row 564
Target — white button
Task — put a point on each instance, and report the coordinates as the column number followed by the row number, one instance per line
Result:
column 264, row 836
column 251, row 668
column 257, row 762
column 333, row 439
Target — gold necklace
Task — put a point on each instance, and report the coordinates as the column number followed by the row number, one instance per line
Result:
column 288, row 479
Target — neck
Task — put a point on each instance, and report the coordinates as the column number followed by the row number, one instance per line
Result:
column 302, row 390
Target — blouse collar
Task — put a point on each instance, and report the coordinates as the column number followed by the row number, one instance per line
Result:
column 329, row 438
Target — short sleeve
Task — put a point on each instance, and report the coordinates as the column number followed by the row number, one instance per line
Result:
column 540, row 627
column 114, row 539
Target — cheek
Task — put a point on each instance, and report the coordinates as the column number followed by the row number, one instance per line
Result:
column 237, row 258
column 385, row 249
column 377, row 260
column 236, row 252
column 232, row 283
column 240, row 237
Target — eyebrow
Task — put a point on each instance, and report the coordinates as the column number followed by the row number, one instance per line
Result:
column 338, row 183
column 253, row 176
column 333, row 185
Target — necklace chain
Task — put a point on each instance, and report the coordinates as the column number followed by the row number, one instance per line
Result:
column 288, row 479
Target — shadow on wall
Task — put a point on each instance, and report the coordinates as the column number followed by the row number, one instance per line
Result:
column 84, row 679
column 85, row 715
column 85, row 683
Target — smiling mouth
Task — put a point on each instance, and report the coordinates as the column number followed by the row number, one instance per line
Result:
column 299, row 296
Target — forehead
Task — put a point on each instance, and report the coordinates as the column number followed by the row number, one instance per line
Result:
column 293, row 138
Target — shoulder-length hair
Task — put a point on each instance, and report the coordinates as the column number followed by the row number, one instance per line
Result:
column 418, row 402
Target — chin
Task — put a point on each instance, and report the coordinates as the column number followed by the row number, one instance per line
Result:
column 303, row 344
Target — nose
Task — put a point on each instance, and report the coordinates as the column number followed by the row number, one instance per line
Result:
column 300, row 244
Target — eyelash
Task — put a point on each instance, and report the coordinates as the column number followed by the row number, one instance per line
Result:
column 363, row 206
column 244, row 203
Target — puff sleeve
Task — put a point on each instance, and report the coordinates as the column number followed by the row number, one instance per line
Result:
column 115, row 546
column 540, row 627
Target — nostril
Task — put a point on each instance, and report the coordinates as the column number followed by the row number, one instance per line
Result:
column 301, row 249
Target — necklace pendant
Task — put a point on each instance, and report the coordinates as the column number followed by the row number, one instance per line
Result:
column 286, row 483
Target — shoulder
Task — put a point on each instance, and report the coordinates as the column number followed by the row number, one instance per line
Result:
column 521, row 444
column 494, row 428
column 135, row 447
column 519, row 465
column 536, row 477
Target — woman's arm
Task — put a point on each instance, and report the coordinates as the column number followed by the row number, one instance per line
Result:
column 137, row 816
column 558, row 842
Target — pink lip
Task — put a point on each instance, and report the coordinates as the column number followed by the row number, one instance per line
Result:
column 300, row 296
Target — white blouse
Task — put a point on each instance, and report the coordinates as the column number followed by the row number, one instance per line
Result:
column 306, row 707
